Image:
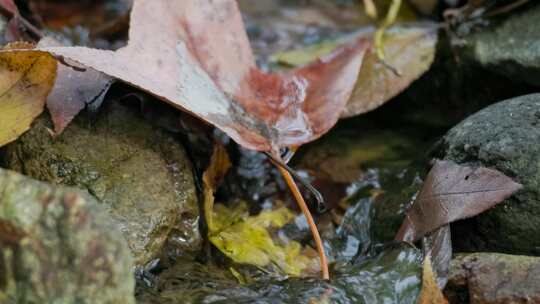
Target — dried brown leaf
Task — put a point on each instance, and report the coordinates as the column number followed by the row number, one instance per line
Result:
column 452, row 192
column 196, row 56
column 73, row 90
column 438, row 245
column 409, row 51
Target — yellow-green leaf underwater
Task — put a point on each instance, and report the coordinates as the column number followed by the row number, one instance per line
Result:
column 247, row 239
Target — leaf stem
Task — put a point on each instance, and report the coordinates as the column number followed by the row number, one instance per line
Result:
column 390, row 18
column 305, row 210
column 282, row 163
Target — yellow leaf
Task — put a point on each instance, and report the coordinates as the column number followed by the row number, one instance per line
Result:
column 431, row 293
column 26, row 79
column 246, row 239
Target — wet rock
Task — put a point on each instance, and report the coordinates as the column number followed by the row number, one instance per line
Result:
column 57, row 245
column 454, row 88
column 399, row 189
column 511, row 48
column 505, row 137
column 140, row 173
column 491, row 278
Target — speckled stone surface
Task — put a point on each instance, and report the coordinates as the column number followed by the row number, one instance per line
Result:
column 58, row 245
column 504, row 136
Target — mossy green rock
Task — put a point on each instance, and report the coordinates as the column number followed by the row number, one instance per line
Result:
column 511, row 48
column 506, row 137
column 57, row 245
column 140, row 173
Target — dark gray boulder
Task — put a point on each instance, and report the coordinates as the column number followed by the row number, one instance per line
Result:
column 504, row 136
column 511, row 48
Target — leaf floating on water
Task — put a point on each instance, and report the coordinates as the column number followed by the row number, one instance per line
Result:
column 452, row 192
column 431, row 293
column 73, row 90
column 195, row 55
column 408, row 49
column 26, row 79
column 246, row 239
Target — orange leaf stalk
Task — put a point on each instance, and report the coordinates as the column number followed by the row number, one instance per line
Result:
column 305, row 210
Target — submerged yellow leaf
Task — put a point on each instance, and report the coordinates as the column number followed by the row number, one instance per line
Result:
column 430, row 293
column 247, row 240
column 26, row 79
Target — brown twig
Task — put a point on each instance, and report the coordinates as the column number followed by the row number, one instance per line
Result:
column 305, row 210
column 30, row 27
column 283, row 164
column 392, row 69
